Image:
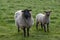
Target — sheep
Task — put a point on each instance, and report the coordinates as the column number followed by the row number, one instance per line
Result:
column 24, row 20
column 44, row 20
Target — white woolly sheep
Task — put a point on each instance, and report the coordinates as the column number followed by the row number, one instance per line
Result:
column 23, row 20
column 43, row 20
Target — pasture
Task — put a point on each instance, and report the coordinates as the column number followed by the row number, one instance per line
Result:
column 8, row 30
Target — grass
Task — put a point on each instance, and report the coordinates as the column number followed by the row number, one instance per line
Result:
column 8, row 30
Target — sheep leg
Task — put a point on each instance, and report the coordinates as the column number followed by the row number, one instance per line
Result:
column 37, row 25
column 44, row 27
column 41, row 26
column 48, row 27
column 18, row 27
column 27, row 31
column 24, row 30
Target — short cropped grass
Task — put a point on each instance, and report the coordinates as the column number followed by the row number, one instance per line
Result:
column 8, row 30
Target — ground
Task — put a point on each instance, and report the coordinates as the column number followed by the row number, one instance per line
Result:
column 8, row 30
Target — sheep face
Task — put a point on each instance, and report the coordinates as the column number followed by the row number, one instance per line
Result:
column 48, row 13
column 26, row 13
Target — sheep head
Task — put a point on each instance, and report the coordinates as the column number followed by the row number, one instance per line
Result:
column 26, row 13
column 47, row 13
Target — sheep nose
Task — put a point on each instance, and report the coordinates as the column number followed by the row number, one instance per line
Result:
column 27, row 16
column 48, row 15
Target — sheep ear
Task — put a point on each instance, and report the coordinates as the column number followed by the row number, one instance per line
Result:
column 50, row 11
column 30, row 10
column 44, row 11
column 22, row 11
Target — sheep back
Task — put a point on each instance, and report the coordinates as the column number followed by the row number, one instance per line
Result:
column 40, row 17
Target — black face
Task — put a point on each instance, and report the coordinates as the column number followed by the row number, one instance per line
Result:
column 26, row 13
column 47, row 13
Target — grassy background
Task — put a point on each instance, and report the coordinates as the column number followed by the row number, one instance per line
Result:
column 8, row 30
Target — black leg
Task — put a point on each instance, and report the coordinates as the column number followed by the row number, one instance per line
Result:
column 24, row 29
column 18, row 27
column 44, row 27
column 41, row 26
column 28, row 32
column 48, row 27
column 37, row 25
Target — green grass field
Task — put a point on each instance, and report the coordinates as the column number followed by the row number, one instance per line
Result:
column 8, row 30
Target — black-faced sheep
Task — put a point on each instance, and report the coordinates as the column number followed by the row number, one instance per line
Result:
column 44, row 20
column 24, row 20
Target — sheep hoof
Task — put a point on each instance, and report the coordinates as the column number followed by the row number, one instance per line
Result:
column 24, row 35
column 45, row 30
column 18, row 31
column 36, row 29
column 27, row 35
